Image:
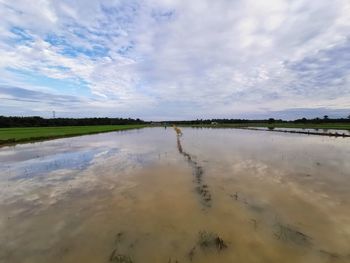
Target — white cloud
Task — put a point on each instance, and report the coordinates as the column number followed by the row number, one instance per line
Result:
column 216, row 57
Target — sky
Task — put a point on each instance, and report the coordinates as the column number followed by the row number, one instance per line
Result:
column 175, row 59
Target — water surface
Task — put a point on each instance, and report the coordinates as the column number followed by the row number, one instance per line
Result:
column 321, row 131
column 225, row 195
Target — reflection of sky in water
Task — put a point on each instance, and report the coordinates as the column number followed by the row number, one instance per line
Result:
column 78, row 162
column 41, row 166
column 77, row 193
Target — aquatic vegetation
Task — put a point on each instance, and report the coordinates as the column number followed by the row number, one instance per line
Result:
column 281, row 232
column 208, row 240
column 202, row 189
column 235, row 196
column 119, row 258
column 300, row 131
column 288, row 233
column 173, row 261
column 116, row 255
column 204, row 192
column 118, row 237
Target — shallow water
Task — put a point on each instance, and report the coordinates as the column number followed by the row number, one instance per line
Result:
column 325, row 131
column 215, row 195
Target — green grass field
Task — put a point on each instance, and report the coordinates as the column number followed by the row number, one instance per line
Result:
column 16, row 135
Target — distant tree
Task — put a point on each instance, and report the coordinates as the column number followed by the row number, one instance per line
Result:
column 271, row 120
column 349, row 117
column 325, row 117
column 316, row 120
column 34, row 121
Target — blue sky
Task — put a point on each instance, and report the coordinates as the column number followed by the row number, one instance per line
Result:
column 167, row 59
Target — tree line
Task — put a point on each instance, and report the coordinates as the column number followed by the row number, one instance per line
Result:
column 324, row 119
column 35, row 121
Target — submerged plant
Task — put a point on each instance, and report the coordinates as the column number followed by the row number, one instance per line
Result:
column 118, row 258
column 211, row 240
column 290, row 234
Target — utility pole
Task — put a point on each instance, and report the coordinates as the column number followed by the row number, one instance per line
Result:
column 53, row 114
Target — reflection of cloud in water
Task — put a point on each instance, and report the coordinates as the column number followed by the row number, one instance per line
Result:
column 271, row 193
column 41, row 166
column 80, row 170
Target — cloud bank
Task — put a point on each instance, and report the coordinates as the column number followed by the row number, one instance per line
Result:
column 164, row 59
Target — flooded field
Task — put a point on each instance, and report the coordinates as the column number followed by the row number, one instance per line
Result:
column 208, row 195
column 327, row 132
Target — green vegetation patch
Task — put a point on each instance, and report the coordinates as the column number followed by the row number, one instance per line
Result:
column 16, row 135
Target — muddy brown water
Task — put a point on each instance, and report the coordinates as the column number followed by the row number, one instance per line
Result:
column 133, row 196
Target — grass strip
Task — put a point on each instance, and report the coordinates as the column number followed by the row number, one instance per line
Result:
column 31, row 134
